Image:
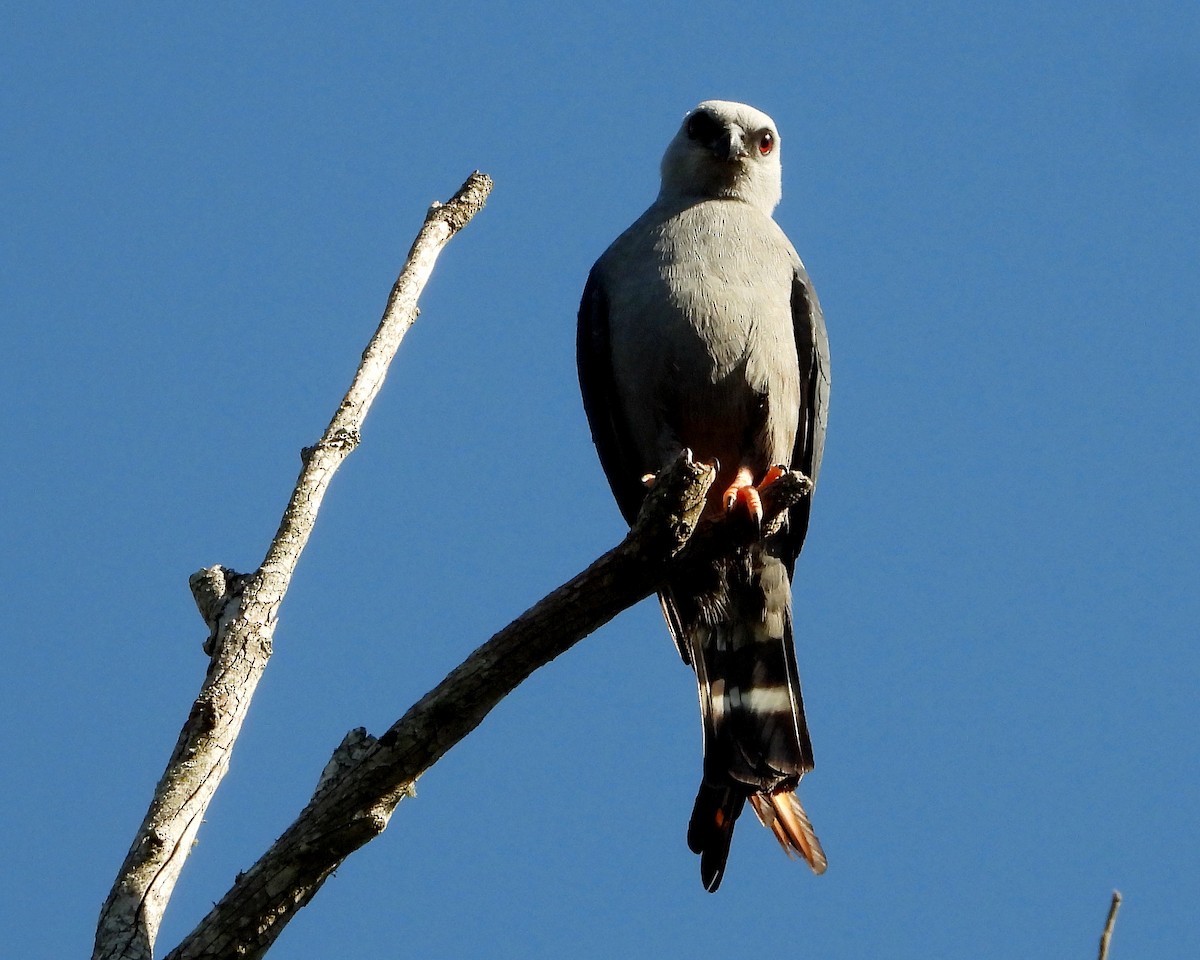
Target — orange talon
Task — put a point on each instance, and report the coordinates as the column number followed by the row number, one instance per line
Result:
column 772, row 474
column 742, row 491
column 749, row 496
column 743, row 480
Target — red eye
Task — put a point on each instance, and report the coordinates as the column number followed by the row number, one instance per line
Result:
column 766, row 143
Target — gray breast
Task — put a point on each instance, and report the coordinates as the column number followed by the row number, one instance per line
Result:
column 702, row 338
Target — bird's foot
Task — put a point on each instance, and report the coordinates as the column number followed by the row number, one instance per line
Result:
column 743, row 493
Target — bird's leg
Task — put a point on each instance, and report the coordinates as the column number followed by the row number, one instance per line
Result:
column 744, row 491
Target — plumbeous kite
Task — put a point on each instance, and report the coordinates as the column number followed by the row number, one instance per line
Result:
column 699, row 329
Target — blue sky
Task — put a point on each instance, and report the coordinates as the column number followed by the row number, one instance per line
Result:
column 997, row 607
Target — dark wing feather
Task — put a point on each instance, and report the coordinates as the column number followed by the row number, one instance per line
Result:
column 601, row 403
column 812, row 350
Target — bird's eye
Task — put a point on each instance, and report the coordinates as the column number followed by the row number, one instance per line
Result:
column 766, row 143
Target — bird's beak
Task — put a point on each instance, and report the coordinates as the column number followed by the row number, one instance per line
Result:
column 730, row 146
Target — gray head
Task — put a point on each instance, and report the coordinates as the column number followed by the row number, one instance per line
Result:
column 724, row 150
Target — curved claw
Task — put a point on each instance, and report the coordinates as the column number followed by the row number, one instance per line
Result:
column 744, row 491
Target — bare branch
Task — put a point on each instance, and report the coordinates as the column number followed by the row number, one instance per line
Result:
column 1111, row 922
column 241, row 613
column 354, row 803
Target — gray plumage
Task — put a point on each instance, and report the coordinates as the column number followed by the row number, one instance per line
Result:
column 699, row 329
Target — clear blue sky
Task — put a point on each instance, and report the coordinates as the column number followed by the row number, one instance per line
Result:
column 1000, row 206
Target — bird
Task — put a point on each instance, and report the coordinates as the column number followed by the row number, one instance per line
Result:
column 699, row 330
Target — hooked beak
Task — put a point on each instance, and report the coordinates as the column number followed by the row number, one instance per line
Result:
column 730, row 146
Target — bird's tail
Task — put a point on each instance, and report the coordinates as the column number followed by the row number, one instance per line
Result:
column 737, row 635
column 784, row 816
column 710, row 830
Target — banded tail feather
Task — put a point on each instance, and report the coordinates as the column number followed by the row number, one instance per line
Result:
column 737, row 636
column 783, row 814
column 710, row 830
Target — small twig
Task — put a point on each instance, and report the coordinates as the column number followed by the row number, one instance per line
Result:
column 1106, row 936
column 242, row 626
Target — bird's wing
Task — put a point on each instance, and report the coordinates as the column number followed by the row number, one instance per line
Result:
column 610, row 430
column 601, row 401
column 812, row 350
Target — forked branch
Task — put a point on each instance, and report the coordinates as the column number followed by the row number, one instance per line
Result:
column 241, row 612
column 367, row 778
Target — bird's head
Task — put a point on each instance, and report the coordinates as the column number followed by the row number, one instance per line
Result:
column 724, row 150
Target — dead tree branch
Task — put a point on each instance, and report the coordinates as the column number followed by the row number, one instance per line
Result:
column 366, row 778
column 241, row 612
column 1109, row 924
column 356, row 798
